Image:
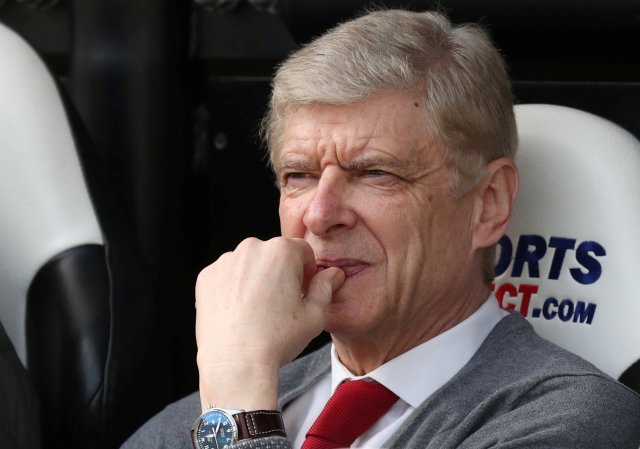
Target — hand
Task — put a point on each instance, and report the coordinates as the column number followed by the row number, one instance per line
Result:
column 257, row 308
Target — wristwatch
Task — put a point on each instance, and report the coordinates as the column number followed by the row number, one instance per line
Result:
column 219, row 428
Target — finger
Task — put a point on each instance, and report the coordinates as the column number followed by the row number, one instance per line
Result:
column 308, row 261
column 322, row 286
column 304, row 249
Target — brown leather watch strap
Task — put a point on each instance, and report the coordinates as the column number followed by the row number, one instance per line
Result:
column 259, row 423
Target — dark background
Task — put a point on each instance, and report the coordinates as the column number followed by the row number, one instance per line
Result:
column 172, row 92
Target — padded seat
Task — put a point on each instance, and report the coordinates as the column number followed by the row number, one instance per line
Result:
column 73, row 293
column 570, row 261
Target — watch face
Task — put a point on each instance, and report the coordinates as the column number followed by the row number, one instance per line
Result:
column 216, row 430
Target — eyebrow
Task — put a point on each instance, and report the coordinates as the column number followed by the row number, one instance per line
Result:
column 359, row 164
column 367, row 163
column 296, row 164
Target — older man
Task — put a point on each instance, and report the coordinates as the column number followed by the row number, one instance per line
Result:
column 392, row 139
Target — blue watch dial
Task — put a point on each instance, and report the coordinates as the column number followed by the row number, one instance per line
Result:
column 216, row 430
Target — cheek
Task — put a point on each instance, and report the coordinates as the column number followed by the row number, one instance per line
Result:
column 451, row 240
column 411, row 240
column 291, row 215
column 420, row 238
column 403, row 231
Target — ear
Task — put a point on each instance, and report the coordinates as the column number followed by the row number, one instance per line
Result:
column 494, row 202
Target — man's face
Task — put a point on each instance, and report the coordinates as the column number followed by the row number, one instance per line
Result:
column 366, row 187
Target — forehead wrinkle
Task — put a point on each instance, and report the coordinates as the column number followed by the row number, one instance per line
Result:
column 349, row 146
column 320, row 133
column 298, row 140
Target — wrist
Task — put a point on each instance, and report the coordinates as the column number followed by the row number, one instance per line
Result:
column 239, row 386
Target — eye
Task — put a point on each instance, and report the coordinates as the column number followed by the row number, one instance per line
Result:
column 379, row 177
column 296, row 180
column 376, row 173
column 297, row 175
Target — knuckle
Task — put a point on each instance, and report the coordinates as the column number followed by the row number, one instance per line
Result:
column 248, row 243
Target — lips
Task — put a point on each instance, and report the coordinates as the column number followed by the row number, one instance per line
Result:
column 350, row 267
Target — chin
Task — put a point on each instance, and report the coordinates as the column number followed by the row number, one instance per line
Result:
column 356, row 306
column 347, row 317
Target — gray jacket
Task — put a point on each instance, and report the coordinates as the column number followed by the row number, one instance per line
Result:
column 518, row 391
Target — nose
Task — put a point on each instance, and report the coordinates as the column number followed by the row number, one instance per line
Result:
column 330, row 208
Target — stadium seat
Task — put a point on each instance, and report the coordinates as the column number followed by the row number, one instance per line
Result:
column 73, row 295
column 569, row 261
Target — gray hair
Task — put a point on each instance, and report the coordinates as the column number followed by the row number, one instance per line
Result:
column 457, row 69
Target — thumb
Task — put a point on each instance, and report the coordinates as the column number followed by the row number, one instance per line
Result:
column 323, row 285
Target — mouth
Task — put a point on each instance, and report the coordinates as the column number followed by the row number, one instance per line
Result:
column 350, row 267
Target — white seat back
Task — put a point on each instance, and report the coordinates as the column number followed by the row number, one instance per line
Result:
column 571, row 259
column 44, row 203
